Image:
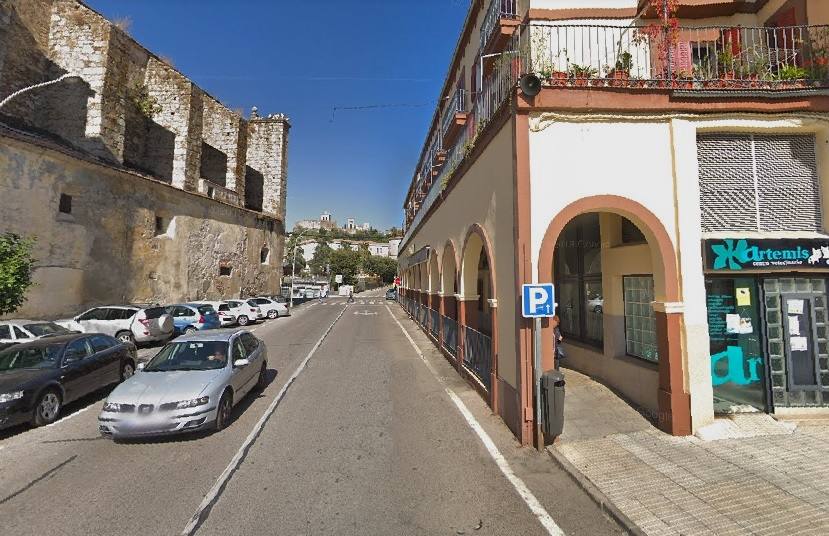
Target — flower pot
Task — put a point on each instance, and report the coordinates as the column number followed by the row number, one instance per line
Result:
column 619, row 78
column 558, row 79
column 581, row 81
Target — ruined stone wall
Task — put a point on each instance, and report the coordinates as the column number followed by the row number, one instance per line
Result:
column 267, row 155
column 223, row 148
column 108, row 249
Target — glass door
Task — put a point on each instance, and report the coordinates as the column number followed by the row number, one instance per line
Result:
column 800, row 338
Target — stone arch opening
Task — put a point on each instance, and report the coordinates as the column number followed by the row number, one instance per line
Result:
column 477, row 311
column 617, row 289
column 449, row 282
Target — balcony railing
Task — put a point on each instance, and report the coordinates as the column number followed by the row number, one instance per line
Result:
column 703, row 58
column 455, row 105
column 498, row 9
column 477, row 354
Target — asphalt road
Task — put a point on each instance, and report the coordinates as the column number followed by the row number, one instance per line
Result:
column 366, row 440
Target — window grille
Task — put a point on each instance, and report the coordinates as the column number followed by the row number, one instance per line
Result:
column 640, row 322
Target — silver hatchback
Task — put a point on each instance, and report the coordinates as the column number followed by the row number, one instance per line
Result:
column 191, row 384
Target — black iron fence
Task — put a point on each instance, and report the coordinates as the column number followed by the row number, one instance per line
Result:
column 434, row 323
column 450, row 335
column 477, row 354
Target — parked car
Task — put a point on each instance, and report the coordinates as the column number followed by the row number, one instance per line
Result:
column 190, row 317
column 271, row 308
column 245, row 312
column 261, row 314
column 191, row 384
column 226, row 316
column 128, row 323
column 15, row 331
column 38, row 378
column 391, row 294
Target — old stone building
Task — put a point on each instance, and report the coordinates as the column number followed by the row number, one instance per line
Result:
column 137, row 184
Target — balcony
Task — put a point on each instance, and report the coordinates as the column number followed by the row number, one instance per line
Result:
column 499, row 24
column 454, row 117
column 715, row 58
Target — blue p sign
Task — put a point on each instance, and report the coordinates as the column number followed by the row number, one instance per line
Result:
column 538, row 301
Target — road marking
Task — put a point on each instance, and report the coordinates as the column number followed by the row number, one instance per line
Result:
column 212, row 497
column 64, row 419
column 523, row 491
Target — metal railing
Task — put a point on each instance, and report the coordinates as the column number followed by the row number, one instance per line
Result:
column 498, row 9
column 449, row 340
column 423, row 317
column 710, row 57
column 477, row 354
column 434, row 323
column 455, row 104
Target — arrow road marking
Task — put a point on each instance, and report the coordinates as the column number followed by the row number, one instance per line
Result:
column 365, row 313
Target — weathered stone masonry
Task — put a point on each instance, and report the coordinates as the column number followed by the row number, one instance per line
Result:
column 146, row 148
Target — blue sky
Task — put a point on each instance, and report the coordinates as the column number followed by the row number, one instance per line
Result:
column 301, row 58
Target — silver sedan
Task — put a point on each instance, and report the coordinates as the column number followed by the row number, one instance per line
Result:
column 191, row 384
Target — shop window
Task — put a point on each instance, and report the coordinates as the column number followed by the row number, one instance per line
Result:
column 640, row 322
column 578, row 268
column 65, row 204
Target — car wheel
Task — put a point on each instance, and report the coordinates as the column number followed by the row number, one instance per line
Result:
column 263, row 377
column 243, row 320
column 190, row 330
column 223, row 412
column 127, row 370
column 47, row 408
column 272, row 314
column 125, row 336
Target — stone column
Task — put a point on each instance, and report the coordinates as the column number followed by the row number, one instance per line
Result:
column 674, row 400
column 493, row 373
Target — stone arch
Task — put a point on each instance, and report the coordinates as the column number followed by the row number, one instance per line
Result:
column 434, row 273
column 475, row 244
column 674, row 403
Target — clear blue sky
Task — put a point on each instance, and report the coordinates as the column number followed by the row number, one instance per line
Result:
column 301, row 58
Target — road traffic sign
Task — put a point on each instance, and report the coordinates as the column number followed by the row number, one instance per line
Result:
column 338, row 279
column 538, row 301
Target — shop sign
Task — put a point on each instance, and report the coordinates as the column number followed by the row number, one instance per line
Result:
column 734, row 254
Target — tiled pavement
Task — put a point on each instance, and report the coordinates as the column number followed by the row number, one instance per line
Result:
column 773, row 482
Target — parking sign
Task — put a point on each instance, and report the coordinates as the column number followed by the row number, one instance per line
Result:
column 538, row 301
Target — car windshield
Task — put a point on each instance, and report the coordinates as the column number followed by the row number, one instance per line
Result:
column 206, row 309
column 43, row 329
column 154, row 312
column 190, row 355
column 36, row 357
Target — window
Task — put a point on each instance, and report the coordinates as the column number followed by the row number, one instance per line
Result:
column 94, row 314
column 160, row 226
column 224, row 307
column 206, row 309
column 225, row 270
column 262, row 301
column 239, row 350
column 578, row 268
column 264, row 254
column 76, row 351
column 251, row 343
column 640, row 322
column 120, row 314
column 5, row 332
column 101, row 343
column 65, row 204
column 20, row 334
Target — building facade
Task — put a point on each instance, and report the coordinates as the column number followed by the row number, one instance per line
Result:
column 138, row 185
column 668, row 175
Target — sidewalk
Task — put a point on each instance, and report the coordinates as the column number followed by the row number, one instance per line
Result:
column 765, row 478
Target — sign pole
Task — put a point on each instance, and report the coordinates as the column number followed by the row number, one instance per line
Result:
column 537, row 382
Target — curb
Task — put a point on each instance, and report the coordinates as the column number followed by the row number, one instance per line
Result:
column 598, row 497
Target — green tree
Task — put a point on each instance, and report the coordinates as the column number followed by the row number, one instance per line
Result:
column 16, row 268
column 383, row 267
column 289, row 253
column 322, row 258
column 346, row 262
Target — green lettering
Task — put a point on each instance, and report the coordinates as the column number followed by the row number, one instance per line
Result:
column 775, row 255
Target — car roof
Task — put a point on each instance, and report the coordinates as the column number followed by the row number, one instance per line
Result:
column 214, row 335
column 22, row 321
column 59, row 339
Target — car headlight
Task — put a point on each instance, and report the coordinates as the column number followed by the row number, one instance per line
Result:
column 112, row 407
column 184, row 404
column 8, row 397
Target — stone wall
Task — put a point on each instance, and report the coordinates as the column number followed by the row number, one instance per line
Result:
column 109, row 250
column 267, row 155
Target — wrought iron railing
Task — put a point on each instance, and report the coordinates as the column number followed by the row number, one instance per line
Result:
column 710, row 57
column 456, row 104
column 477, row 354
column 434, row 323
column 498, row 9
column 449, row 338
column 423, row 317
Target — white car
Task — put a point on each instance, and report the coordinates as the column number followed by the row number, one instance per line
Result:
column 226, row 316
column 271, row 308
column 245, row 312
column 127, row 323
column 17, row 331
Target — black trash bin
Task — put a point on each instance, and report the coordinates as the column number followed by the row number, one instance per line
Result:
column 552, row 404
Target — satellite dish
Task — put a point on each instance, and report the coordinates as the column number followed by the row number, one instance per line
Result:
column 530, row 85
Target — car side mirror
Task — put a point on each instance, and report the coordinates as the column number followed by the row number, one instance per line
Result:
column 140, row 366
column 241, row 363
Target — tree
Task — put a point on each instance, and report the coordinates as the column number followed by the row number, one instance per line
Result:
column 322, row 258
column 346, row 262
column 383, row 267
column 289, row 254
column 16, row 268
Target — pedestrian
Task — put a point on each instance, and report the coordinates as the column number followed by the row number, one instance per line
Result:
column 557, row 339
column 350, row 295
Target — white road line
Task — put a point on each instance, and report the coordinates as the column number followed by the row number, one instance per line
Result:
column 71, row 415
column 210, row 499
column 523, row 491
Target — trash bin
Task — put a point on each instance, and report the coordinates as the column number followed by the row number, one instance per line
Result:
column 552, row 404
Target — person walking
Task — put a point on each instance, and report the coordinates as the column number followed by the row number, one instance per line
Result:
column 557, row 339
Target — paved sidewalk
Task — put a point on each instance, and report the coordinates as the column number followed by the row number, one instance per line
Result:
column 774, row 479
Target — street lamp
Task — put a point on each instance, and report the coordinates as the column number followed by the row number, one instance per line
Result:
column 38, row 86
column 293, row 266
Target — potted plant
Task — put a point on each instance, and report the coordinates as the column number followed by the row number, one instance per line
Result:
column 620, row 74
column 582, row 74
column 727, row 71
column 791, row 77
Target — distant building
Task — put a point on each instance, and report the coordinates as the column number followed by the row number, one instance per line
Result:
column 324, row 222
